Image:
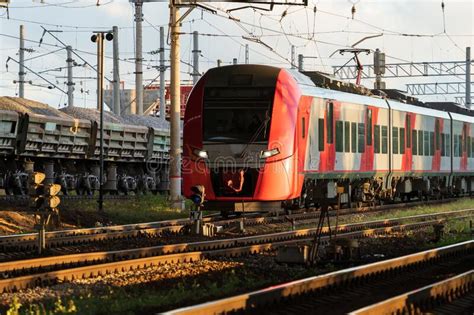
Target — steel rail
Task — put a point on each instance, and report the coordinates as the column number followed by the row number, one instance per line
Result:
column 136, row 258
column 425, row 299
column 75, row 236
column 216, row 244
column 278, row 293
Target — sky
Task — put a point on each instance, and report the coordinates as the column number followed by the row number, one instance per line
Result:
column 412, row 31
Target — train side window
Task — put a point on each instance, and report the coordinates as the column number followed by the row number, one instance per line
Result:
column 376, row 139
column 353, row 137
column 464, row 149
column 329, row 122
column 339, row 136
column 361, row 138
column 321, row 134
column 394, row 140
column 448, row 144
column 432, row 143
column 472, row 147
column 420, row 142
column 437, row 132
column 426, row 142
column 455, row 145
column 469, row 146
column 369, row 127
column 347, row 136
column 414, row 148
column 408, row 132
column 402, row 140
column 303, row 127
column 384, row 140
column 443, row 148
column 460, row 146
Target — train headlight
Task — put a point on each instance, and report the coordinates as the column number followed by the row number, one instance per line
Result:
column 201, row 153
column 269, row 153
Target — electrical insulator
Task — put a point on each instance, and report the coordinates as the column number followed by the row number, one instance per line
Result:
column 379, row 62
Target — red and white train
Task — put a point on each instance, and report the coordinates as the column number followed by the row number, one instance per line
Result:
column 259, row 136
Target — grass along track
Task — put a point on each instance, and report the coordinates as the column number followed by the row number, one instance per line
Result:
column 30, row 273
column 25, row 242
column 357, row 286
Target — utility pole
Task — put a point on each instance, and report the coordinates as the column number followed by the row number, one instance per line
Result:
column 116, row 108
column 70, row 83
column 138, row 57
column 21, row 72
column 246, row 53
column 196, row 53
column 175, row 111
column 293, row 61
column 162, row 73
column 234, row 61
column 468, row 77
column 300, row 63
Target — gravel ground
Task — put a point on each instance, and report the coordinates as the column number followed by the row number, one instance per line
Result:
column 164, row 287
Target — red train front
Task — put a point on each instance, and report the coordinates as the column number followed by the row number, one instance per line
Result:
column 239, row 138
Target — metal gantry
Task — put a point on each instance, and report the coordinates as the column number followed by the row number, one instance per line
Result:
column 437, row 88
column 407, row 69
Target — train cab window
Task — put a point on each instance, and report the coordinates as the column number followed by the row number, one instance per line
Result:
column 426, row 142
column 353, row 137
column 402, row 140
column 347, row 136
column 321, row 134
column 472, row 147
column 361, row 138
column 414, row 148
column 339, row 136
column 329, row 122
column 408, row 132
column 384, row 139
column 369, row 127
column 443, row 148
column 432, row 143
column 420, row 142
column 376, row 139
column 394, row 140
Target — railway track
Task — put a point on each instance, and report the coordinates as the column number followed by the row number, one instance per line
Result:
column 451, row 296
column 350, row 289
column 33, row 272
column 55, row 239
column 24, row 199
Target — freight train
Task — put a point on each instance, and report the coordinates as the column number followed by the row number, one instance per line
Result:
column 65, row 145
column 261, row 137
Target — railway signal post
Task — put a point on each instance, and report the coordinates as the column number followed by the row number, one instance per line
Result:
column 44, row 203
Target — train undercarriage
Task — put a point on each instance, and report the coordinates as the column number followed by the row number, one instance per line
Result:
column 82, row 177
column 380, row 190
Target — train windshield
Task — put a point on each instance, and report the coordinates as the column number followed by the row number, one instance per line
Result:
column 237, row 122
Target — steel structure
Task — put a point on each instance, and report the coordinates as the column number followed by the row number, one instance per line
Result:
column 407, row 69
column 442, row 88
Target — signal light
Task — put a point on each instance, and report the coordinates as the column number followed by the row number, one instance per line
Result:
column 43, row 196
column 198, row 195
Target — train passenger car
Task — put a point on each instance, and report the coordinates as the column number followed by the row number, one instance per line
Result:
column 259, row 136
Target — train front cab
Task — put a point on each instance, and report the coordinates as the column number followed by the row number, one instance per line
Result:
column 239, row 138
